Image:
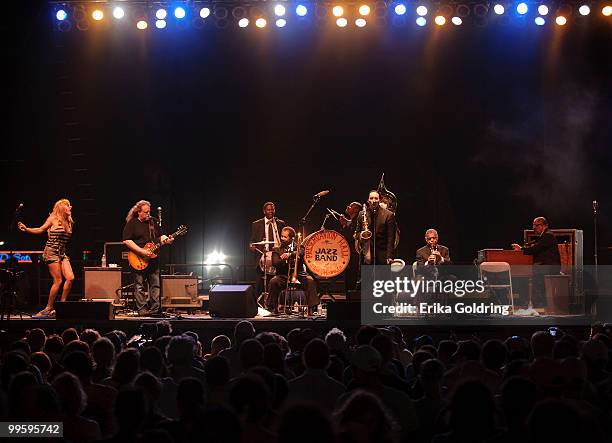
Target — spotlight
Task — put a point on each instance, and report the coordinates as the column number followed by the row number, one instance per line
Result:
column 522, row 8
column 161, row 14
column 439, row 20
column 243, row 22
column 360, row 22
column 261, row 22
column 421, row 21
column 61, row 15
column 142, row 25
column 179, row 12
column 160, row 24
column 118, row 12
column 499, row 9
column 561, row 20
column 279, row 10
column 281, row 22
column 542, row 9
column 456, row 21
column 97, row 15
column 338, row 11
column 400, row 9
column 607, row 11
column 540, row 21
column 364, row 10
column 342, row 22
column 204, row 12
column 215, row 258
column 584, row 10
column 421, row 10
column 301, row 10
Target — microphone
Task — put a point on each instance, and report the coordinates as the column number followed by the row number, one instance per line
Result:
column 159, row 214
column 321, row 194
column 595, row 206
column 19, row 208
column 333, row 213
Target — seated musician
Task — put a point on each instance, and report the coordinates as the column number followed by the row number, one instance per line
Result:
column 279, row 281
column 432, row 254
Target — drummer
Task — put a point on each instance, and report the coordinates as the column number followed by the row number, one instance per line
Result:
column 266, row 229
column 279, row 281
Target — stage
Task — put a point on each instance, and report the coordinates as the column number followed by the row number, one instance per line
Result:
column 342, row 315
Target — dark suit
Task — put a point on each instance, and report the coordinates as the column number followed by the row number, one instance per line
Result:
column 258, row 233
column 383, row 228
column 422, row 254
column 544, row 250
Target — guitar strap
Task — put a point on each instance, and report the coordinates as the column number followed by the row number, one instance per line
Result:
column 151, row 231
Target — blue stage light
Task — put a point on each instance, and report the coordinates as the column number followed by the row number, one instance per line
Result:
column 161, row 14
column 400, row 9
column 179, row 12
column 522, row 8
column 301, row 10
column 540, row 21
column 421, row 21
column 61, row 15
column 160, row 24
column 281, row 22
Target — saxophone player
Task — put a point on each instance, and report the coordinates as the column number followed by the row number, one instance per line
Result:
column 378, row 246
column 279, row 281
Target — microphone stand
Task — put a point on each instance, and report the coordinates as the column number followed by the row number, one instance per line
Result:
column 595, row 208
column 303, row 220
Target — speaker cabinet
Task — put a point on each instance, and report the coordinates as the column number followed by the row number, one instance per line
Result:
column 180, row 291
column 84, row 310
column 101, row 283
column 232, row 301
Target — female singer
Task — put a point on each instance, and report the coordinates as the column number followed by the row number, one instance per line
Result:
column 59, row 229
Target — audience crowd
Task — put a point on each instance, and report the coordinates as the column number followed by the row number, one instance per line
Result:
column 376, row 387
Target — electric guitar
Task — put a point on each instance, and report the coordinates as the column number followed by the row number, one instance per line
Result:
column 140, row 262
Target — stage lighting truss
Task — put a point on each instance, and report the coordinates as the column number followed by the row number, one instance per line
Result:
column 267, row 15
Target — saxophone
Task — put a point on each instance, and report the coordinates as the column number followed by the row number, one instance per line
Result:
column 365, row 235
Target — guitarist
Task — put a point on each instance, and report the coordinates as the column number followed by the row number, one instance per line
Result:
column 140, row 228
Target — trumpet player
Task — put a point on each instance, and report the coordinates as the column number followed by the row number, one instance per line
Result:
column 432, row 253
column 375, row 232
column 279, row 281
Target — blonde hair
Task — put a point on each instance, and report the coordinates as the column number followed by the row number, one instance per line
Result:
column 61, row 215
column 133, row 212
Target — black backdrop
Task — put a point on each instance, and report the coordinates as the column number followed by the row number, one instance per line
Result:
column 478, row 129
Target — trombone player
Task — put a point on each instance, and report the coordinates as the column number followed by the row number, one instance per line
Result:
column 279, row 281
column 375, row 233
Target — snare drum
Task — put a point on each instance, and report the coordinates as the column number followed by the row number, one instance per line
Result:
column 326, row 253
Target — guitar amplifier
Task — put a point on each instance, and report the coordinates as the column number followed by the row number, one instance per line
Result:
column 102, row 283
column 180, row 291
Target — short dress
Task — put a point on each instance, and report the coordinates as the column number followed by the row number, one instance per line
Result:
column 55, row 248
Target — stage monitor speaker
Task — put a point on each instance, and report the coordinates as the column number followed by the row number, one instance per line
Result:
column 102, row 283
column 180, row 291
column 232, row 301
column 84, row 310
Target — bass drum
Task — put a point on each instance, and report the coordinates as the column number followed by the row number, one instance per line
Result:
column 326, row 253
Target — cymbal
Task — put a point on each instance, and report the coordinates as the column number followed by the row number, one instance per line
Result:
column 262, row 243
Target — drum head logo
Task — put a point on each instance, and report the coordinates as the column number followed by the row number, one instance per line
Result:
column 326, row 253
